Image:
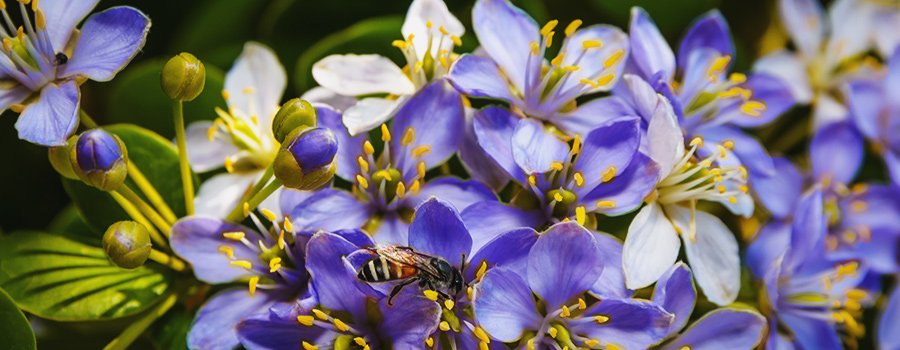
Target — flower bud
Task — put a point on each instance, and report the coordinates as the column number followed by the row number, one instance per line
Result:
column 293, row 114
column 127, row 243
column 306, row 161
column 183, row 77
column 59, row 158
column 98, row 158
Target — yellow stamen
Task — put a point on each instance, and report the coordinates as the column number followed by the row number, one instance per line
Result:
column 340, row 326
column 281, row 240
column 246, row 209
column 548, row 28
column 385, row 133
column 613, row 59
column 456, row 40
column 249, row 90
column 443, row 31
column 288, row 224
column 571, row 68
column 385, row 174
column 430, row 294
column 308, row 346
column 401, row 189
column 535, row 49
column 716, row 67
column 409, row 136
column 697, row 141
column 236, row 235
column 601, row 319
column 581, row 304
column 608, row 174
column 428, row 24
column 268, row 214
column 360, row 341
column 558, row 166
column 362, row 181
column 363, row 164
column 421, row 151
column 227, row 250
column 367, row 147
column 552, row 331
column 558, row 60
column 579, row 179
column 565, row 312
column 400, row 44
column 591, row 44
column 530, row 344
column 482, row 268
column 579, row 215
column 414, row 189
column 444, row 326
column 605, row 204
column 39, row 20
column 305, row 320
column 449, row 304
column 242, row 263
column 229, row 165
column 420, row 169
column 532, row 180
column 225, row 95
column 429, row 341
column 590, row 82
column 274, row 264
column 572, row 27
column 606, row 79
column 321, row 315
column 738, row 78
column 253, row 281
column 558, row 197
column 591, row 343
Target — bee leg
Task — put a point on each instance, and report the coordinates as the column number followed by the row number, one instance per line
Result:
column 396, row 290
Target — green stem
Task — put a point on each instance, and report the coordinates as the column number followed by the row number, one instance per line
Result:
column 168, row 260
column 237, row 215
column 86, row 119
column 135, row 214
column 152, row 194
column 186, row 180
column 259, row 184
column 145, row 208
column 130, row 334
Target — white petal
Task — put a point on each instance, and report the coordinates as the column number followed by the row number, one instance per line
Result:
column 791, row 70
column 334, row 100
column 650, row 249
column 422, row 11
column 203, row 154
column 221, row 193
column 369, row 113
column 256, row 68
column 664, row 138
column 827, row 110
column 713, row 254
column 273, row 202
column 355, row 75
column 744, row 204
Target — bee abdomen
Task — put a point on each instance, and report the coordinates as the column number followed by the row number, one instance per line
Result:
column 380, row 269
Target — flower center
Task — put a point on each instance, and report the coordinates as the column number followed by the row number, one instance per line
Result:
column 280, row 263
column 560, row 199
column 706, row 102
column 257, row 146
column 28, row 46
column 434, row 63
column 833, row 207
column 842, row 308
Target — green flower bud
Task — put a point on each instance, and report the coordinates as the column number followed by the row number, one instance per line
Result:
column 59, row 158
column 306, row 160
column 127, row 243
column 293, row 114
column 183, row 77
column 99, row 158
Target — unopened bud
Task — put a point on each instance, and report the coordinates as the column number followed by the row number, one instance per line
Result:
column 183, row 77
column 293, row 114
column 60, row 160
column 306, row 160
column 98, row 158
column 127, row 243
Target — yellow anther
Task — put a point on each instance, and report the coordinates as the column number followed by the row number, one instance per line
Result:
column 535, row 49
column 482, row 268
column 706, row 163
column 581, row 304
column 367, row 148
column 442, row 58
column 18, row 107
column 340, row 326
column 268, row 214
column 469, row 293
column 530, row 344
column 576, row 144
column 26, row 2
column 736, row 91
column 409, row 136
column 410, row 37
column 20, row 33
column 592, row 44
column 558, row 60
column 420, row 169
column 421, row 151
column 837, row 317
column 274, row 264
column 242, row 263
column 401, row 189
column 253, row 281
column 443, row 31
column 558, row 197
column 414, row 189
column 308, row 346
column 249, row 90
column 456, row 40
column 611, row 346
column 211, row 133
column 483, row 346
column 558, row 166
column 572, row 27
column 281, row 240
column 225, row 95
column 613, row 59
column 608, row 174
column 716, row 67
column 7, row 44
column 385, row 174
column 856, row 294
column 605, row 204
column 745, row 189
column 234, row 235
column 319, row 314
column 589, row 82
column 385, row 133
column 738, row 78
column 2, row 5
column 606, row 79
column 400, row 44
column 715, row 172
column 571, row 68
column 227, row 250
column 39, row 20
column 601, row 319
column 481, row 334
column 444, row 326
column 229, row 163
column 254, row 119
column 362, row 181
column 363, row 164
column 721, row 189
column 845, row 270
column 449, row 304
column 532, row 180
column 288, row 224
column 732, row 199
column 697, row 141
column 430, row 294
column 418, row 67
column 591, row 343
column 580, row 215
column 429, row 341
column 547, row 30
column 719, row 178
column 305, row 320
column 245, row 208
column 360, row 341
column 428, row 24
column 723, row 153
column 565, row 312
column 579, row 179
column 552, row 332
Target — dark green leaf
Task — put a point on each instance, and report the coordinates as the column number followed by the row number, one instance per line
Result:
column 216, row 24
column 170, row 331
column 158, row 161
column 70, row 224
column 58, row 278
column 17, row 333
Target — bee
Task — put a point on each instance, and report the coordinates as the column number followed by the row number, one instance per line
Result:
column 398, row 263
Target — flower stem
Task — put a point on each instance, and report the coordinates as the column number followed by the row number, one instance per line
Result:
column 186, row 180
column 130, row 334
column 152, row 194
column 86, row 119
column 259, row 184
column 237, row 215
column 168, row 260
column 145, row 208
column 140, row 218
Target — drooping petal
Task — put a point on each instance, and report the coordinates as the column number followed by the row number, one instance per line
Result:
column 724, row 328
column 505, row 307
column 49, row 120
column 348, row 147
column 12, row 95
column 256, row 82
column 494, row 128
column 200, row 241
column 535, row 149
column 608, row 150
column 598, row 61
column 108, row 41
column 651, row 247
column 630, row 324
column 355, row 75
column 329, row 210
column 425, row 19
column 62, row 16
column 770, row 243
column 676, row 294
column 712, row 254
column 205, row 154
column 214, row 327
column 708, row 31
column 804, row 22
column 330, row 98
column 333, row 282
column 369, row 113
column 439, row 230
column 611, row 283
column 506, row 33
column 412, row 319
column 586, row 117
column 461, row 194
column 786, row 66
column 779, row 192
column 836, row 152
column 479, row 76
column 508, row 250
column 889, row 322
column 433, row 139
column 649, row 50
column 487, row 219
column 222, row 193
column 564, row 262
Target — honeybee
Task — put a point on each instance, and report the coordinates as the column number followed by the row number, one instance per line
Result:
column 392, row 263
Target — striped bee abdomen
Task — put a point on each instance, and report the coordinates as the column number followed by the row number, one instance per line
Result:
column 381, row 269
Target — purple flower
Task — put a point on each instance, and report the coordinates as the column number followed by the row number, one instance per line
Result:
column 222, row 252
column 47, row 61
column 341, row 309
column 889, row 322
column 562, row 265
column 591, row 59
column 387, row 188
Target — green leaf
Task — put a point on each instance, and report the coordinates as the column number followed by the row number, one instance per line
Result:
column 70, row 224
column 371, row 36
column 17, row 333
column 61, row 279
column 158, row 161
column 138, row 98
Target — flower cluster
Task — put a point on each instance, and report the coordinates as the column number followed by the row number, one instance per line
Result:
column 534, row 193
